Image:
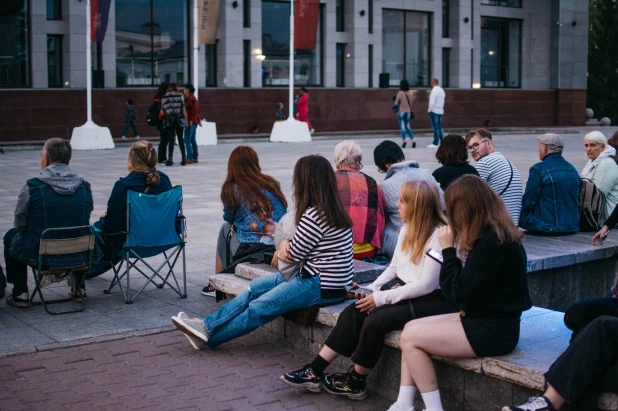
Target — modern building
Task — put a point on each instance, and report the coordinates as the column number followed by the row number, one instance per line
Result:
column 509, row 62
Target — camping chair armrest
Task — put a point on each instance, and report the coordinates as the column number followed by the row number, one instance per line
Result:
column 114, row 233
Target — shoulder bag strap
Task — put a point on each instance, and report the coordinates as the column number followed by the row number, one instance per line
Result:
column 405, row 93
column 510, row 180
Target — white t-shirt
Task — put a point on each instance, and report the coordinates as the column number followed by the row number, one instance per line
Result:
column 496, row 170
column 436, row 100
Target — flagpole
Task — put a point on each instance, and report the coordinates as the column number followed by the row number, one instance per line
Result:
column 195, row 49
column 88, row 65
column 291, row 99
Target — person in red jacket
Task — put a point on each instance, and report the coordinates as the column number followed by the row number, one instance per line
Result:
column 193, row 116
column 302, row 106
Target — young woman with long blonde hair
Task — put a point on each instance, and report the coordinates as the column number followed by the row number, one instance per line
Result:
column 407, row 289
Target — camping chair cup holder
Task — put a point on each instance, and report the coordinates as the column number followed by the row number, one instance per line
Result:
column 63, row 252
column 155, row 226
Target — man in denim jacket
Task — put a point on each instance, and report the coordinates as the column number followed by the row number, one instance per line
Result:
column 551, row 201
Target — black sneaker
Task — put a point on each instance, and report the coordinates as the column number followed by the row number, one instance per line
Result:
column 339, row 384
column 169, row 163
column 303, row 378
column 209, row 291
column 414, row 144
column 403, row 145
column 533, row 404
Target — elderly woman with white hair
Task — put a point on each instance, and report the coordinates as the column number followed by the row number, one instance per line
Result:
column 601, row 169
column 362, row 198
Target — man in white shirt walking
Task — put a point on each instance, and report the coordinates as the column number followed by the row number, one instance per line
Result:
column 436, row 111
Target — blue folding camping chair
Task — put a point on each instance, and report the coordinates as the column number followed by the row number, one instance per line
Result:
column 155, row 225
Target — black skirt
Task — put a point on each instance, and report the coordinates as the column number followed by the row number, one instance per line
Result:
column 491, row 336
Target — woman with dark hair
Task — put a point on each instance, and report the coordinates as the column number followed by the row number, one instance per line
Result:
column 156, row 106
column 322, row 248
column 143, row 177
column 192, row 106
column 253, row 203
column 453, row 155
column 174, row 121
column 403, row 101
column 491, row 290
column 407, row 289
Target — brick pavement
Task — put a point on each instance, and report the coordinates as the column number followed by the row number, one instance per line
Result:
column 163, row 372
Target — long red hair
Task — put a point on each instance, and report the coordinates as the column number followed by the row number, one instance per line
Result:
column 246, row 182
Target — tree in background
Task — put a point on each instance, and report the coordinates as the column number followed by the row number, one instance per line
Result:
column 603, row 59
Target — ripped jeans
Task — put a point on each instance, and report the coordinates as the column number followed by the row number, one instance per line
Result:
column 266, row 299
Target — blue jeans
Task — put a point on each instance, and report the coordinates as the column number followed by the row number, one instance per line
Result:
column 404, row 125
column 126, row 128
column 266, row 299
column 190, row 131
column 436, row 124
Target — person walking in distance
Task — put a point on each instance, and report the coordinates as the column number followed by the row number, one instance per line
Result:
column 403, row 105
column 192, row 106
column 303, row 108
column 130, row 117
column 436, row 111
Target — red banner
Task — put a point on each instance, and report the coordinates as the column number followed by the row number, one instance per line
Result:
column 306, row 14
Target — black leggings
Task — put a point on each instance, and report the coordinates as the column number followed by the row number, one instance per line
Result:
column 361, row 336
column 583, row 313
column 167, row 140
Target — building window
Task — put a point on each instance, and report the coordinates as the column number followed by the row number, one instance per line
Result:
column 276, row 49
column 211, row 65
column 370, row 66
column 246, row 13
column 500, row 52
column 445, row 18
column 152, row 42
column 340, row 15
column 446, row 62
column 405, row 47
column 54, row 61
column 54, row 10
column 246, row 71
column 340, row 65
column 14, row 47
column 502, row 3
column 370, row 19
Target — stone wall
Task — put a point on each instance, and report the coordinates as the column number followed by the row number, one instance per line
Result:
column 35, row 115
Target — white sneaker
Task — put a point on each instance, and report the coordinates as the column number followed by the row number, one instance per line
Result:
column 124, row 137
column 312, row 131
column 137, row 137
column 195, row 343
column 193, row 327
column 396, row 407
column 432, row 146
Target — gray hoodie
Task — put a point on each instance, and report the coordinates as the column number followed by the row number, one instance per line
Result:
column 59, row 177
column 398, row 174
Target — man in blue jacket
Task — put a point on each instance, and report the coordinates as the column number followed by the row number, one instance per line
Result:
column 58, row 197
column 551, row 202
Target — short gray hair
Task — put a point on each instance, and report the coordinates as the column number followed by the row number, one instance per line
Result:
column 58, row 150
column 596, row 137
column 347, row 153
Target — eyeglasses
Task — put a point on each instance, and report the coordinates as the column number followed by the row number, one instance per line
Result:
column 360, row 165
column 381, row 171
column 475, row 146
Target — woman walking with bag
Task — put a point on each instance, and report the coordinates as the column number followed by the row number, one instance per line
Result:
column 407, row 289
column 174, row 121
column 321, row 248
column 403, row 107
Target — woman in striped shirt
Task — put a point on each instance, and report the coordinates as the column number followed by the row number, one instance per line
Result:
column 322, row 248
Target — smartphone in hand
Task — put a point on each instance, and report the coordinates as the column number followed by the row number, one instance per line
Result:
column 358, row 292
column 434, row 255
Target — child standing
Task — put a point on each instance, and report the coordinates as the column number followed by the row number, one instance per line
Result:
column 279, row 116
column 130, row 117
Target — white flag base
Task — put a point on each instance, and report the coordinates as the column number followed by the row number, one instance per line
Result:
column 207, row 134
column 290, row 131
column 91, row 137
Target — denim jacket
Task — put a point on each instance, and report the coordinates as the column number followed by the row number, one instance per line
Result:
column 551, row 201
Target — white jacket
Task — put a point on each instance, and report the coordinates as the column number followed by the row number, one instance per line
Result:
column 436, row 100
column 604, row 175
column 421, row 279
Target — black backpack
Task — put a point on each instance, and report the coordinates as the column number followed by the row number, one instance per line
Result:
column 591, row 206
column 152, row 117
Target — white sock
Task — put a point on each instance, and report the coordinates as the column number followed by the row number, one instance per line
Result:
column 407, row 393
column 432, row 401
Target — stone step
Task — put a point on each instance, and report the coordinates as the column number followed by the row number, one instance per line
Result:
column 543, row 338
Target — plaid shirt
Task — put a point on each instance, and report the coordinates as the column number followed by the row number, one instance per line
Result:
column 365, row 203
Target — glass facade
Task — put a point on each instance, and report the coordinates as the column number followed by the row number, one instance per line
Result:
column 211, row 65
column 502, row 3
column 500, row 52
column 405, row 47
column 152, row 42
column 54, row 10
column 14, row 47
column 54, row 61
column 276, row 49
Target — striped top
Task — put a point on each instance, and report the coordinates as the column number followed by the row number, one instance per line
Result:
column 496, row 170
column 323, row 251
